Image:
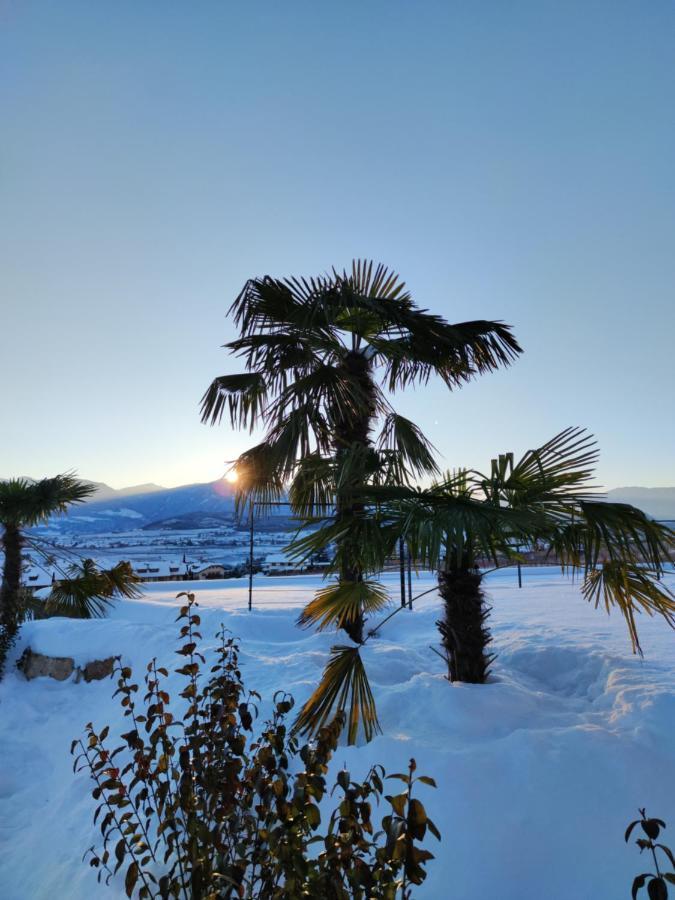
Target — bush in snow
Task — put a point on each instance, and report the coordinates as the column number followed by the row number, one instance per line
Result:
column 656, row 882
column 196, row 806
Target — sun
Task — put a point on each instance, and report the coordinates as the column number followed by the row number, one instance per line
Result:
column 232, row 477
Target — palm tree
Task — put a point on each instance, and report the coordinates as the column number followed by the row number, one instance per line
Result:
column 85, row 590
column 319, row 355
column 545, row 499
column 469, row 518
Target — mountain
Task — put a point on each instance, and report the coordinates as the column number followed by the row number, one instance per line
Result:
column 123, row 510
column 656, row 502
column 148, row 488
column 105, row 492
column 212, row 503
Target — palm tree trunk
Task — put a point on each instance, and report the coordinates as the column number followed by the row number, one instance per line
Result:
column 463, row 629
column 10, row 591
column 354, row 428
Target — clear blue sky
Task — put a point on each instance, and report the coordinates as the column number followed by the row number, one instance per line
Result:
column 511, row 160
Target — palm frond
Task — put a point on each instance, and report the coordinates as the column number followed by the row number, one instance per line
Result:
column 344, row 688
column 449, row 523
column 381, row 282
column 456, row 353
column 259, row 478
column 632, row 590
column 343, row 603
column 27, row 503
column 361, row 541
column 243, row 395
column 598, row 530
column 354, row 466
column 555, row 474
column 407, row 440
column 312, row 491
column 327, row 389
column 88, row 591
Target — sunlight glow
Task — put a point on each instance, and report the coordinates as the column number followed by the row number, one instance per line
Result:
column 232, row 476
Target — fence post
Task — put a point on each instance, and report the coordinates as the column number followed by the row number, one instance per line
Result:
column 410, row 602
column 401, row 559
column 250, row 559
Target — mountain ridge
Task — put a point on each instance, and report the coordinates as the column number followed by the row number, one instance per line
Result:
column 141, row 506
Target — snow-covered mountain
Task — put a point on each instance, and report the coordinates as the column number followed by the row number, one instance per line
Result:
column 191, row 505
column 138, row 507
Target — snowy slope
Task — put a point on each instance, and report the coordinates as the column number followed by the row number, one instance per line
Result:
column 538, row 772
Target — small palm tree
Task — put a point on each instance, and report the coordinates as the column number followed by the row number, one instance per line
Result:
column 85, row 591
column 545, row 499
column 319, row 354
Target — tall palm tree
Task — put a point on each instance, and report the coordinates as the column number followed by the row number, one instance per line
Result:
column 546, row 499
column 85, row 590
column 319, row 355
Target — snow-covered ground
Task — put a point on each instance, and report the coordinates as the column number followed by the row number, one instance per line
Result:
column 539, row 771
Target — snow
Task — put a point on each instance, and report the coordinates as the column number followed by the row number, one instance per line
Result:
column 539, row 771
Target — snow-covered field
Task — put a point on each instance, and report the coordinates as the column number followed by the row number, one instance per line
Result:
column 539, row 771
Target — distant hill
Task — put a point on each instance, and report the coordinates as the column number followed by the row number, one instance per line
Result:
column 656, row 502
column 124, row 510
column 207, row 505
column 105, row 492
column 189, row 520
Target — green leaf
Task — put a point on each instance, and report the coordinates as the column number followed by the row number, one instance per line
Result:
column 630, row 829
column 120, row 852
column 131, row 879
column 398, row 802
column 417, row 812
column 313, row 815
column 657, row 890
column 668, row 853
column 432, row 828
column 638, row 883
column 425, row 779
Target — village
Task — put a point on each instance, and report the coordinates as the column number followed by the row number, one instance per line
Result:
column 168, row 556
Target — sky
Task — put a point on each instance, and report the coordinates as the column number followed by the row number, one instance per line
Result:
column 511, row 160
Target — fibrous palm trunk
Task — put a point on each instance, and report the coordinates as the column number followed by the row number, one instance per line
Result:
column 353, row 429
column 10, row 591
column 464, row 631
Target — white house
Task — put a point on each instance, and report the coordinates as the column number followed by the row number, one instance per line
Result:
column 280, row 564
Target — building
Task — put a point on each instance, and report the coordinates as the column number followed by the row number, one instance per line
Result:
column 160, row 571
column 213, row 570
column 280, row 564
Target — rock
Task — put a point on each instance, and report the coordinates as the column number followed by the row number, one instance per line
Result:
column 35, row 665
column 98, row 669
